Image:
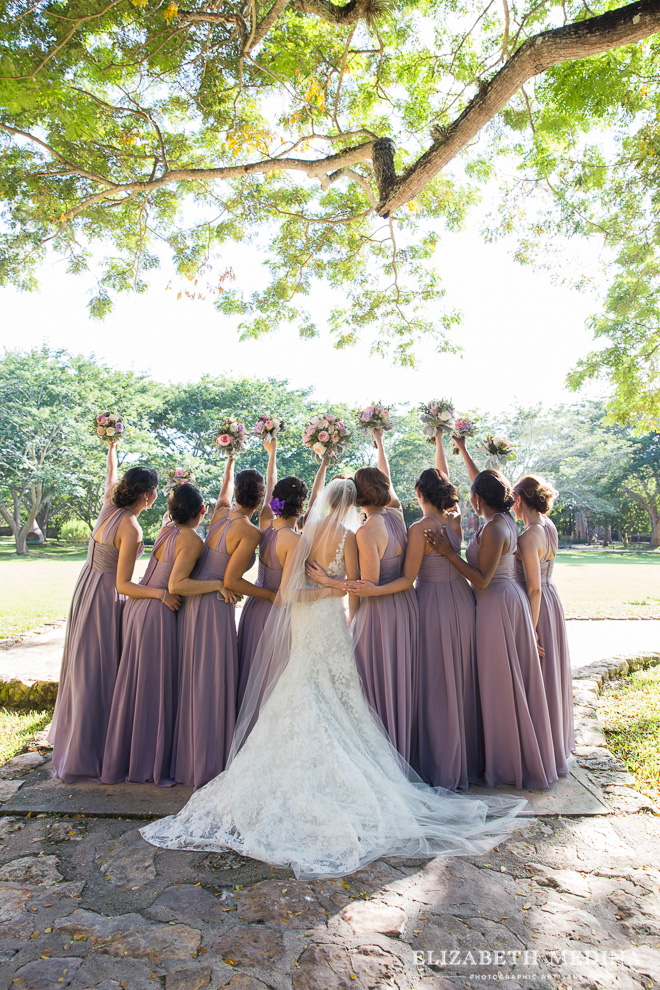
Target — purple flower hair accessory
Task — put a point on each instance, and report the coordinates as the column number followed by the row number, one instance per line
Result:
column 277, row 505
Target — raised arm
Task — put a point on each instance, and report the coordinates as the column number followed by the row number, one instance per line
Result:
column 266, row 515
column 440, row 458
column 472, row 468
column 490, row 550
column 318, row 486
column 383, row 465
column 227, row 490
column 111, row 473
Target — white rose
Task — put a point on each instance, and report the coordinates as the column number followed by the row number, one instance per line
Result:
column 445, row 416
column 319, row 449
column 323, row 423
column 110, row 431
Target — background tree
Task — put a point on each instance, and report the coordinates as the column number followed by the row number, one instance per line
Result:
column 334, row 132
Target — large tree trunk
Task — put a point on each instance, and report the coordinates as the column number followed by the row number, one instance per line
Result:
column 655, row 529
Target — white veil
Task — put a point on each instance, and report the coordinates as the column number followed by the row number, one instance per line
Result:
column 328, row 521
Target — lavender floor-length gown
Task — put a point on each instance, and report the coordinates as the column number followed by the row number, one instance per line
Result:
column 556, row 664
column 256, row 610
column 91, row 657
column 208, row 672
column 386, row 642
column 449, row 749
column 518, row 746
column 138, row 744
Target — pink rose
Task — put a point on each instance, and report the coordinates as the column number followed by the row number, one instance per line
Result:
column 434, row 409
column 386, row 412
column 225, row 440
column 335, row 438
column 370, row 410
column 324, row 436
column 259, row 428
column 340, row 424
column 269, row 424
column 103, row 420
column 100, row 431
column 179, row 473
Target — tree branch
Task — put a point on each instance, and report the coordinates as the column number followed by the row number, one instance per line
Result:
column 350, row 13
column 579, row 40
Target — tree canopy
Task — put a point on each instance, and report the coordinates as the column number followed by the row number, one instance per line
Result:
column 344, row 141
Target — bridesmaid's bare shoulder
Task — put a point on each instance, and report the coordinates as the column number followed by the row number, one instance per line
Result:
column 189, row 538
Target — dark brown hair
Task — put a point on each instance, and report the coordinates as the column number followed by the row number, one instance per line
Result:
column 373, row 488
column 435, row 488
column 535, row 492
column 293, row 492
column 137, row 481
column 249, row 488
column 494, row 489
column 185, row 503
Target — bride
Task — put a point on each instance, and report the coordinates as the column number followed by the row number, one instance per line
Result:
column 312, row 780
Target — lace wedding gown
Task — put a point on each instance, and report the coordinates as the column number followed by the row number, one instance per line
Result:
column 317, row 785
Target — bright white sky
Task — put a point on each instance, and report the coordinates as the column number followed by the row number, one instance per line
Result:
column 520, row 335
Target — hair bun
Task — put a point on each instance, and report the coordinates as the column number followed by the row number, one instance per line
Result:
column 436, row 489
column 249, row 488
column 290, row 494
column 136, row 482
column 494, row 489
column 185, row 503
column 536, row 492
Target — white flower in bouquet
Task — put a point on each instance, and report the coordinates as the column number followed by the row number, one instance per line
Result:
column 436, row 415
column 498, row 449
column 326, row 436
column 231, row 437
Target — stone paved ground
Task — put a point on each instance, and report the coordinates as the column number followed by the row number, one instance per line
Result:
column 568, row 902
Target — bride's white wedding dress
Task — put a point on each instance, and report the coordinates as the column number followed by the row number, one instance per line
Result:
column 317, row 785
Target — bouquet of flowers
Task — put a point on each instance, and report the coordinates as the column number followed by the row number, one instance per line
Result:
column 107, row 426
column 464, row 426
column 498, row 449
column 231, row 437
column 267, row 427
column 436, row 415
column 374, row 417
column 179, row 476
column 326, row 436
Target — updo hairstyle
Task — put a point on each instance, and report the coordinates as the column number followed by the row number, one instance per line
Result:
column 535, row 492
column 293, row 492
column 249, row 489
column 373, row 488
column 435, row 488
column 185, row 503
column 136, row 482
column 494, row 489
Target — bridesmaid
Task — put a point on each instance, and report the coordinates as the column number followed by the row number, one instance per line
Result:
column 537, row 548
column 138, row 745
column 277, row 522
column 447, row 751
column 518, row 746
column 386, row 628
column 206, row 656
column 93, row 634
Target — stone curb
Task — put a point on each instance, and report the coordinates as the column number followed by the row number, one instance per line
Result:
column 605, row 769
column 20, row 638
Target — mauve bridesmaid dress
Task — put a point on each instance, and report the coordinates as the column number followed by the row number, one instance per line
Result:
column 518, row 746
column 556, row 664
column 138, row 745
column 91, row 657
column 386, row 642
column 449, row 738
column 255, row 612
column 208, row 672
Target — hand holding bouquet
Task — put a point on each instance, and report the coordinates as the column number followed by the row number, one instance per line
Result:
column 374, row 417
column 267, row 427
column 498, row 449
column 179, row 476
column 326, row 436
column 231, row 437
column 108, row 427
column 437, row 415
column 464, row 427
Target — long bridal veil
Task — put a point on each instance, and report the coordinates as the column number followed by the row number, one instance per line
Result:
column 329, row 519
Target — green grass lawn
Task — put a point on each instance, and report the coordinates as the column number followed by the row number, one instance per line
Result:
column 17, row 727
column 596, row 583
column 630, row 712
